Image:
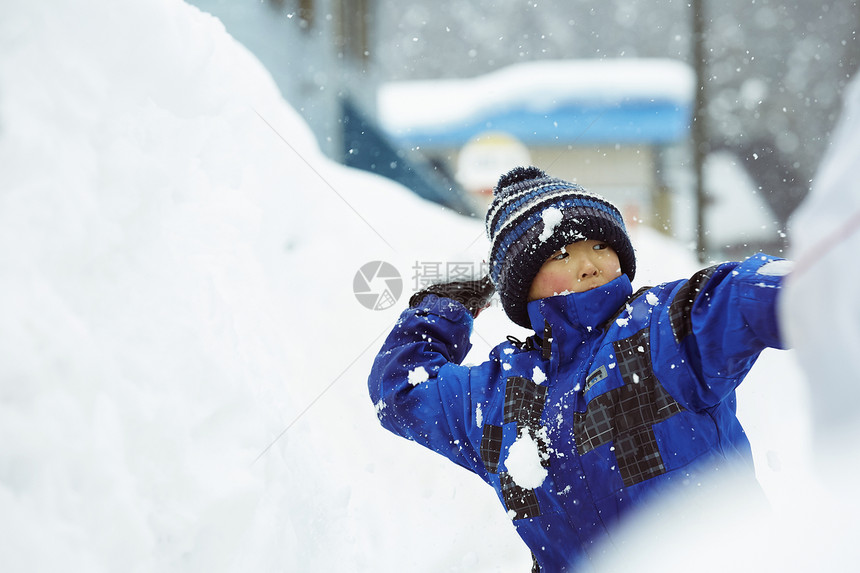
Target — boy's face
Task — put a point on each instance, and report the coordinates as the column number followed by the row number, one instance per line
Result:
column 578, row 267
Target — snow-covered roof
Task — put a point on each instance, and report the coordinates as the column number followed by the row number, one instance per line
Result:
column 585, row 101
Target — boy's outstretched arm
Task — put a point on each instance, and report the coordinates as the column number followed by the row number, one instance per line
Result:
column 721, row 319
column 420, row 390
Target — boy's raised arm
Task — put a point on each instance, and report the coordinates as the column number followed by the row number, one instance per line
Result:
column 420, row 390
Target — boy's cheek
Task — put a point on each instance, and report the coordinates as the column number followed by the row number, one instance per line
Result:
column 558, row 282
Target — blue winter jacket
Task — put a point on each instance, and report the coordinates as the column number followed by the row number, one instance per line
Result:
column 621, row 396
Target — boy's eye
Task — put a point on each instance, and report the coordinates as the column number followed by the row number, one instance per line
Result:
column 559, row 256
column 599, row 246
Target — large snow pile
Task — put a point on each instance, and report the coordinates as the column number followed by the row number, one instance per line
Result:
column 177, row 291
column 182, row 385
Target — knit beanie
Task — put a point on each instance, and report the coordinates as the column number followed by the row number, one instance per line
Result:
column 533, row 216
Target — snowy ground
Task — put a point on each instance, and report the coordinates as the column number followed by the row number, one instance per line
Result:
column 182, row 385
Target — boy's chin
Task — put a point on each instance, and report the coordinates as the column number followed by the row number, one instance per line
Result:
column 580, row 287
column 587, row 286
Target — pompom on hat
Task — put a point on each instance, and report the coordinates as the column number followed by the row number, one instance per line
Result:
column 533, row 216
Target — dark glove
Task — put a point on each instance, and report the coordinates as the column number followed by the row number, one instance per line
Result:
column 474, row 295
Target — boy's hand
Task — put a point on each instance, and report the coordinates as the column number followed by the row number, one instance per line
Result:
column 474, row 295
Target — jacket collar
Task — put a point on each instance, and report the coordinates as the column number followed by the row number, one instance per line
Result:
column 564, row 321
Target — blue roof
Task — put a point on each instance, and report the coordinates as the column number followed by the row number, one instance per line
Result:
column 648, row 122
column 566, row 102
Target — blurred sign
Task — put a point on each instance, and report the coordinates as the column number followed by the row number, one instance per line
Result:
column 486, row 157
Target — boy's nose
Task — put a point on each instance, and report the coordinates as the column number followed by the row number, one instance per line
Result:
column 587, row 269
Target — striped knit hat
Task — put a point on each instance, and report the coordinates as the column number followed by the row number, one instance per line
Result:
column 533, row 216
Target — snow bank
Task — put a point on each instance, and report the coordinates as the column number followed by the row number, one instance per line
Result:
column 176, row 259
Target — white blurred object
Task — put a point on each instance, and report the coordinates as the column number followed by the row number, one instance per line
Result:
column 820, row 310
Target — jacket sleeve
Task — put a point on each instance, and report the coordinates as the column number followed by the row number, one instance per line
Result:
column 419, row 388
column 721, row 319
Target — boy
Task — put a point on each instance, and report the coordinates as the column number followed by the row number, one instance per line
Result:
column 616, row 398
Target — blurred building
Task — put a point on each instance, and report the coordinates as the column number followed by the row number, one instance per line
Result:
column 606, row 124
column 321, row 55
column 317, row 51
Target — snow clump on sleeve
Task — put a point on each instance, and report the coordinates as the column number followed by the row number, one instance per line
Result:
column 524, row 462
column 418, row 375
column 778, row 268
